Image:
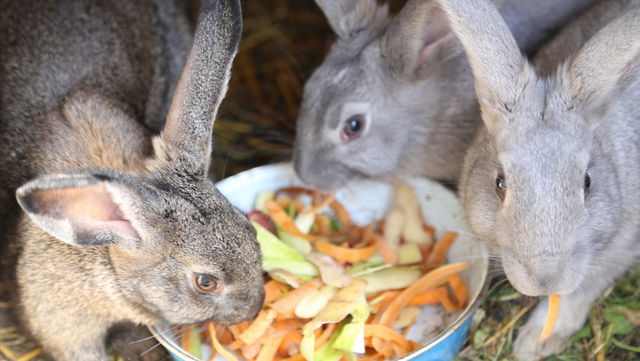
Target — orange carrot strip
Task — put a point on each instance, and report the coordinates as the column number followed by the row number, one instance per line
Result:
column 290, row 345
column 216, row 345
column 291, row 300
column 378, row 307
column 441, row 247
column 235, row 345
column 286, row 316
column 293, row 191
column 388, row 296
column 382, row 346
column 273, row 289
column 425, row 251
column 459, row 289
column 443, row 298
column 269, row 349
column 399, row 350
column 428, row 229
column 427, row 297
column 435, row 278
column 223, row 334
column 383, row 248
column 552, row 316
column 385, row 333
column 342, row 214
column 235, row 331
column 185, row 341
column 259, row 326
column 282, row 219
column 288, row 324
column 352, row 255
column 328, row 199
column 283, row 202
column 250, row 352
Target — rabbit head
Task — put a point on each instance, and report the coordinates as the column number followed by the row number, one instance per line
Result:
column 361, row 109
column 164, row 245
column 542, row 180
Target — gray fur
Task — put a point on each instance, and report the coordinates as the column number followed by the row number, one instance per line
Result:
column 421, row 112
column 135, row 218
column 543, row 135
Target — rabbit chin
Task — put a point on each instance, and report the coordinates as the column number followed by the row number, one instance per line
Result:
column 541, row 277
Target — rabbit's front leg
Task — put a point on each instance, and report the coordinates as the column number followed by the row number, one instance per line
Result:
column 574, row 309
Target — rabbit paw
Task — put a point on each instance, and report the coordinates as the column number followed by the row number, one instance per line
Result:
column 528, row 348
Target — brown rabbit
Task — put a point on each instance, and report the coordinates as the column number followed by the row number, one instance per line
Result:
column 118, row 225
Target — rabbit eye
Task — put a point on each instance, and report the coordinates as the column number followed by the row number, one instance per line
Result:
column 501, row 186
column 207, row 284
column 587, row 184
column 353, row 127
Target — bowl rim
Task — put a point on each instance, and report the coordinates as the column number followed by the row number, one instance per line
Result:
column 451, row 329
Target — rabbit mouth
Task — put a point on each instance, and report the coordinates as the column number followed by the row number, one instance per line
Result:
column 540, row 276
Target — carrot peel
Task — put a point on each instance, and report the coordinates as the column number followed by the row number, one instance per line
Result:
column 552, row 316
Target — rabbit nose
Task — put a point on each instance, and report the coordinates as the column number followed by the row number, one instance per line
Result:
column 541, row 275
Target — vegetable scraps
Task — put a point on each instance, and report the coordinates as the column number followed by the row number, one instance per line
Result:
column 335, row 290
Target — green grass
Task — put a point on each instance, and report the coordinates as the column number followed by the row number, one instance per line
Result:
column 612, row 331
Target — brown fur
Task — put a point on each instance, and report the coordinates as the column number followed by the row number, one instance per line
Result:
column 116, row 225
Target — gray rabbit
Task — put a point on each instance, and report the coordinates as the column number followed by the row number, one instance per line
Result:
column 119, row 226
column 396, row 95
column 551, row 181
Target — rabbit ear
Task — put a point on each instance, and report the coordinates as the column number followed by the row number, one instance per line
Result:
column 79, row 209
column 204, row 79
column 419, row 40
column 497, row 64
column 349, row 17
column 606, row 66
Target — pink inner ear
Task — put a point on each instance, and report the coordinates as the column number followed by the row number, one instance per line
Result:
column 433, row 35
column 429, row 49
column 90, row 207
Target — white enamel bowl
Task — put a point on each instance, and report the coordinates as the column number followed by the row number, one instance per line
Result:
column 366, row 201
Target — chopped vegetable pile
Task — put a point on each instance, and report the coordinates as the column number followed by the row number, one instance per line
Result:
column 335, row 290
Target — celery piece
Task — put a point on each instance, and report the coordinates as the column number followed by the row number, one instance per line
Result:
column 261, row 199
column 304, row 221
column 351, row 338
column 307, row 346
column 291, row 211
column 273, row 247
column 374, row 261
column 299, row 268
column 335, row 225
column 277, row 254
column 298, row 243
column 390, row 279
column 196, row 344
